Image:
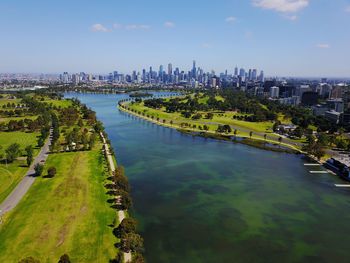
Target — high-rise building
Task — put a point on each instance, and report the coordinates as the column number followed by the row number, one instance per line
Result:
column 261, row 76
column 236, row 71
column 274, row 92
column 194, row 70
column 170, row 69
column 65, row 78
column 254, row 74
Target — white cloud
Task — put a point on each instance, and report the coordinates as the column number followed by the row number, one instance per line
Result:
column 291, row 17
column 283, row 6
column 137, row 27
column 169, row 24
column 117, row 26
column 230, row 19
column 98, row 28
column 323, row 45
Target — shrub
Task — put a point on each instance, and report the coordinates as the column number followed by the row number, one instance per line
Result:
column 38, row 168
column 51, row 172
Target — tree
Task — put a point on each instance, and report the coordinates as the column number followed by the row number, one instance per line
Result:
column 38, row 168
column 29, row 153
column 280, row 140
column 209, row 116
column 41, row 142
column 51, row 172
column 298, row 132
column 132, row 242
column 92, row 140
column 138, row 258
column 250, row 134
column 275, row 126
column 29, row 260
column 64, row 259
column 126, row 201
column 265, row 136
column 12, row 152
column 128, row 225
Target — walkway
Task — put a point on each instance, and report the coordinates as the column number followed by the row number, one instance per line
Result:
column 121, row 213
column 22, row 188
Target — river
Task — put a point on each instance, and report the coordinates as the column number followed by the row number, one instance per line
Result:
column 202, row 200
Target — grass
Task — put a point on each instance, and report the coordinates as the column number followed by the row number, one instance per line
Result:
column 65, row 214
column 12, row 173
column 59, row 103
column 7, row 119
column 4, row 101
column 243, row 127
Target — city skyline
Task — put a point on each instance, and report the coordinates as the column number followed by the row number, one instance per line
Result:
column 284, row 37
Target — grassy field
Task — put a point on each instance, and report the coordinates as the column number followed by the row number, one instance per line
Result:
column 4, row 101
column 65, row 214
column 227, row 118
column 12, row 173
column 59, row 103
column 7, row 119
column 243, row 127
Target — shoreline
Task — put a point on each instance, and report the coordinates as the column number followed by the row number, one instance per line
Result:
column 253, row 142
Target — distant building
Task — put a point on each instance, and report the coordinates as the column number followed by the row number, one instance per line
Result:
column 309, row 98
column 336, row 105
column 333, row 116
column 274, row 92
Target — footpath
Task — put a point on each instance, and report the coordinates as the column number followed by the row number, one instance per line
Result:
column 121, row 213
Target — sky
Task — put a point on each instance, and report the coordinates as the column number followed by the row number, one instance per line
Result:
column 303, row 38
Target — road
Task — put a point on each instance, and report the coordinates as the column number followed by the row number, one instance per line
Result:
column 121, row 213
column 22, row 188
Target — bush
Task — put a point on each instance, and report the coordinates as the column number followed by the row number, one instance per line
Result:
column 128, row 225
column 12, row 152
column 64, row 259
column 51, row 172
column 132, row 242
column 29, row 260
column 38, row 168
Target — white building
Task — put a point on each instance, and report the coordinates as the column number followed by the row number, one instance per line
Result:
column 274, row 92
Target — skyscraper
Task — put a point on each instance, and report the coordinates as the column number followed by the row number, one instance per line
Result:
column 194, row 70
column 170, row 69
column 242, row 73
column 236, row 71
column 254, row 74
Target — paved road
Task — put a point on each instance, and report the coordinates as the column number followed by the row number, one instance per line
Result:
column 22, row 188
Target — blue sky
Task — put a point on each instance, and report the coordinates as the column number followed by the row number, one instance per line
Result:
column 282, row 37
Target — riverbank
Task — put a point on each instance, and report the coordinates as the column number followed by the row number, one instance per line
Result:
column 122, row 214
column 254, row 140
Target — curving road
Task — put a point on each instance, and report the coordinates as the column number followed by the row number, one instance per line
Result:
column 22, row 188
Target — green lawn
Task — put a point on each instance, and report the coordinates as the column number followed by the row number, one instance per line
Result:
column 4, row 101
column 12, row 173
column 65, row 214
column 243, row 127
column 59, row 103
column 7, row 119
